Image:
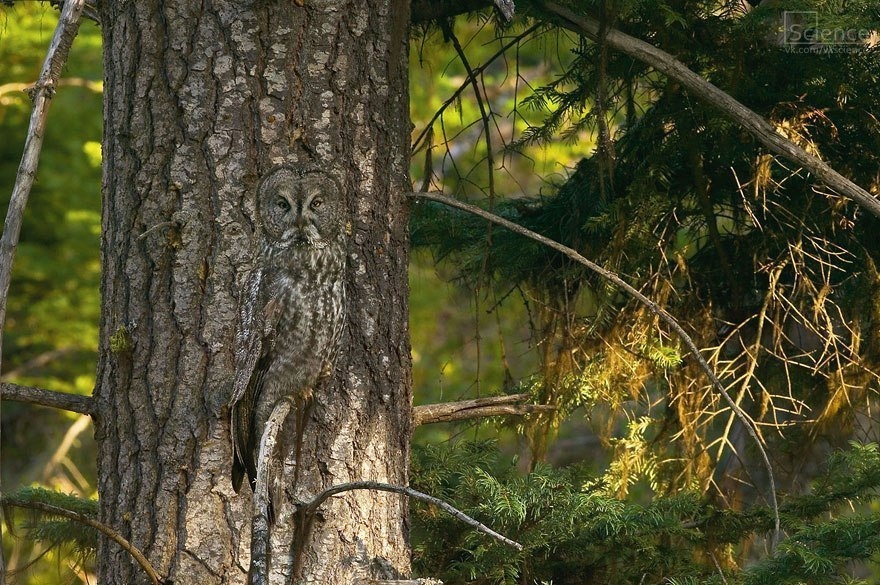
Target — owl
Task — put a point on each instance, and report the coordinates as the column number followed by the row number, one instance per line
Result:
column 293, row 310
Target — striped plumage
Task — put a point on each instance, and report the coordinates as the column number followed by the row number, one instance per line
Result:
column 293, row 311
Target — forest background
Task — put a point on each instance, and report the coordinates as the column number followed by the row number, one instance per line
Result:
column 640, row 473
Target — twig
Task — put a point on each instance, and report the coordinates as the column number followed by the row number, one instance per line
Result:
column 651, row 305
column 309, row 508
column 88, row 521
column 56, row 56
column 490, row 166
column 472, row 75
column 755, row 124
column 467, row 81
column 718, row 566
column 50, row 398
column 75, row 430
column 478, row 408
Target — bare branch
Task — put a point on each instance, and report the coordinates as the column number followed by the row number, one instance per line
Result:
column 309, row 508
column 50, row 398
column 15, row 87
column 755, row 124
column 89, row 521
column 258, row 574
column 41, row 94
column 509, row 405
column 484, row 115
column 472, row 75
column 651, row 305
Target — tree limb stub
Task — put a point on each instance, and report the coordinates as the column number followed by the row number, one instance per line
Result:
column 50, row 398
column 747, row 423
column 509, row 405
column 757, row 126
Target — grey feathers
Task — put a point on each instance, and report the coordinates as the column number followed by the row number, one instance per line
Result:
column 292, row 313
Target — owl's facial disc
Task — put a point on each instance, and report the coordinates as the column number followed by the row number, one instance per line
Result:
column 300, row 211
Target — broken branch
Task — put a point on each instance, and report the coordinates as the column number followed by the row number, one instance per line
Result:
column 50, row 398
column 509, row 405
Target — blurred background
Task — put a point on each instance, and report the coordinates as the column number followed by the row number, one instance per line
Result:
column 773, row 276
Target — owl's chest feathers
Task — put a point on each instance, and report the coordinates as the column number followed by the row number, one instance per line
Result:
column 303, row 295
column 304, row 276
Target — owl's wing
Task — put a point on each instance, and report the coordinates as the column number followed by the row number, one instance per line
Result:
column 254, row 341
column 248, row 338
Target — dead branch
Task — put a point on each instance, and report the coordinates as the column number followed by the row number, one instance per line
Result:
column 41, row 94
column 749, row 425
column 90, row 9
column 702, row 89
column 309, row 508
column 509, row 405
column 258, row 574
column 50, row 398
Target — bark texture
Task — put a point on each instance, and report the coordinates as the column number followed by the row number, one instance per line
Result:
column 201, row 99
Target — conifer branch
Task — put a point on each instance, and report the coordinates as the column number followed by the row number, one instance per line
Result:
column 309, row 508
column 508, row 405
column 91, row 522
column 50, row 398
column 757, row 126
column 747, row 422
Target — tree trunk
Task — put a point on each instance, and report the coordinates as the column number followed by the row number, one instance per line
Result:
column 201, row 99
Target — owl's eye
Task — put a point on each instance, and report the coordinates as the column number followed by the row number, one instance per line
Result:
column 282, row 204
column 317, row 202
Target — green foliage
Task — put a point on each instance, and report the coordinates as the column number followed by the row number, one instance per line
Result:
column 50, row 338
column 575, row 531
column 772, row 275
column 54, row 528
column 775, row 278
column 32, row 511
column 51, row 334
column 53, row 302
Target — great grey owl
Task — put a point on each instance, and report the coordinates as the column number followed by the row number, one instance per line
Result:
column 292, row 314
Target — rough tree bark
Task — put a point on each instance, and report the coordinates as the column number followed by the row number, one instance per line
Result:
column 201, row 98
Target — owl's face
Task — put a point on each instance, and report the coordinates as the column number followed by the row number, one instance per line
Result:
column 299, row 210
